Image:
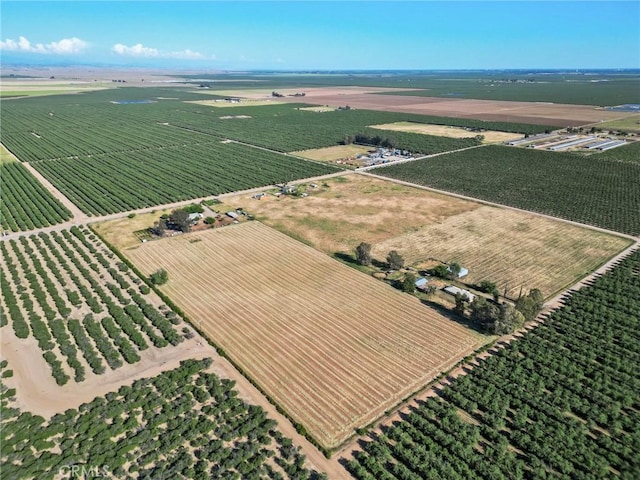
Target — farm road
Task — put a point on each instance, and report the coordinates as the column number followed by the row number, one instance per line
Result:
column 371, row 167
column 83, row 219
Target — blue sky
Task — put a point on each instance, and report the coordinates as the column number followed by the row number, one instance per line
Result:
column 324, row 35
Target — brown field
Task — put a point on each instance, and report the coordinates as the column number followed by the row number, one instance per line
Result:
column 334, row 347
column 490, row 136
column 514, row 249
column 354, row 209
column 314, row 92
column 318, row 109
column 337, row 152
column 243, row 103
column 510, row 247
column 561, row 115
column 119, row 232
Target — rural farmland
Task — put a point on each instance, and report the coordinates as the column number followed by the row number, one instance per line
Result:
column 518, row 251
column 320, row 241
column 519, row 406
column 343, row 364
column 605, row 193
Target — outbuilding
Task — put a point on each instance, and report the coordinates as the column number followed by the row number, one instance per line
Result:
column 233, row 215
column 451, row 290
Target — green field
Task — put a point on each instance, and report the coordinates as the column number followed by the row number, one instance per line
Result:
column 90, row 124
column 591, row 190
column 626, row 153
column 560, row 402
column 183, row 423
column 126, row 181
column 587, row 88
column 629, row 124
column 25, row 204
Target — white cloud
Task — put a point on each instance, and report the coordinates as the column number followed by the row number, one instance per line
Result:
column 68, row 45
column 139, row 50
column 65, row 46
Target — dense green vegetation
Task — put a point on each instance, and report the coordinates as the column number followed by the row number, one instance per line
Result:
column 626, row 153
column 560, row 402
column 49, row 284
column 25, row 204
column 587, row 88
column 184, row 423
column 127, row 181
column 591, row 190
column 109, row 157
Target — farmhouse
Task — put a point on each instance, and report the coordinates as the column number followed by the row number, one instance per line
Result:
column 451, row 290
column 421, row 283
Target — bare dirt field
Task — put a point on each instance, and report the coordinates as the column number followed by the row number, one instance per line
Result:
column 490, row 136
column 242, row 103
column 560, row 115
column 314, row 92
column 334, row 347
column 318, row 109
column 329, row 154
column 514, row 249
column 354, row 209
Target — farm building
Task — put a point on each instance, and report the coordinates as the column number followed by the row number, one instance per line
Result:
column 462, row 273
column 194, row 217
column 615, row 144
column 421, row 283
column 451, row 290
column 572, row 143
column 233, row 215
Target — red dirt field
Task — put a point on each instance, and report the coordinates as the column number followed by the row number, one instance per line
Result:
column 560, row 115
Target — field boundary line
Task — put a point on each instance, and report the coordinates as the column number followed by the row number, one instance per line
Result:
column 87, row 220
column 77, row 214
column 397, row 162
column 494, row 204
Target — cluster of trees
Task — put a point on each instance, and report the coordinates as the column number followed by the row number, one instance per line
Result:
column 395, row 261
column 502, row 318
column 559, row 402
column 363, row 139
column 184, row 423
